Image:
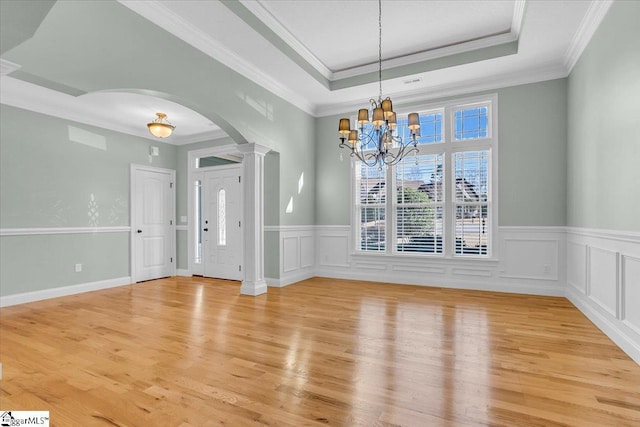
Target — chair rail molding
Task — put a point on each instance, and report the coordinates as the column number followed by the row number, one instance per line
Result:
column 38, row 231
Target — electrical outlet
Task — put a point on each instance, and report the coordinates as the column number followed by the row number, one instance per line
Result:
column 78, row 268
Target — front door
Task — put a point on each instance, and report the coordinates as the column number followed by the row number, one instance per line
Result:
column 221, row 223
column 152, row 224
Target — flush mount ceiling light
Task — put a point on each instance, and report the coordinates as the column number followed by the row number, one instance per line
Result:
column 376, row 141
column 160, row 127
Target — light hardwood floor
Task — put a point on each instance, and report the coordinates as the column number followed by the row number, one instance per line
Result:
column 193, row 352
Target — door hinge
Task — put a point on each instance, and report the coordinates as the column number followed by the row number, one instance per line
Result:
column 171, row 185
column 239, row 178
column 171, row 259
column 170, row 222
column 239, row 224
column 239, row 268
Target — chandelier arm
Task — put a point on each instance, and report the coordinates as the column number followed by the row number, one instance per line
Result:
column 404, row 153
column 358, row 153
column 369, row 160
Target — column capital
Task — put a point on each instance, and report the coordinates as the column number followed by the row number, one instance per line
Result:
column 253, row 148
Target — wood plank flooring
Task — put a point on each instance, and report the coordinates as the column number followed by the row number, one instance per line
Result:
column 193, row 352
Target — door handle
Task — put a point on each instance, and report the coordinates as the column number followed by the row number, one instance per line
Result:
column 205, row 229
column 139, row 231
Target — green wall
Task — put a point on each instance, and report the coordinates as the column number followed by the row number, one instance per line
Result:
column 532, row 121
column 568, row 148
column 247, row 111
column 67, row 162
column 604, row 125
column 531, row 163
column 58, row 173
column 34, row 263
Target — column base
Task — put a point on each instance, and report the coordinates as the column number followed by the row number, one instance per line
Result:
column 256, row 288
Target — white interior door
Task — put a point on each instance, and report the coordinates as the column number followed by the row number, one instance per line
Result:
column 152, row 225
column 221, row 223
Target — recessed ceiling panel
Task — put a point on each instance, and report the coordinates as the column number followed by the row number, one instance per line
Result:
column 344, row 34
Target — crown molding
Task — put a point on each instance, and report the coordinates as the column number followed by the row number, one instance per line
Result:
column 31, row 97
column 156, row 12
column 7, row 67
column 518, row 17
column 257, row 8
column 441, row 52
column 590, row 23
column 515, row 78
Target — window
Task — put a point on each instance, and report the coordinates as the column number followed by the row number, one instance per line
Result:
column 471, row 123
column 438, row 202
column 222, row 218
column 418, row 204
column 371, row 206
column 471, row 203
column 197, row 195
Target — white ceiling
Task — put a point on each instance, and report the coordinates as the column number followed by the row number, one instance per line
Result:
column 344, row 34
column 297, row 49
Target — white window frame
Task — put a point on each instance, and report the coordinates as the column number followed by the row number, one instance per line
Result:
column 448, row 147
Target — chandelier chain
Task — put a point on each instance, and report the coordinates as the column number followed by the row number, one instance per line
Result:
column 380, row 48
column 377, row 141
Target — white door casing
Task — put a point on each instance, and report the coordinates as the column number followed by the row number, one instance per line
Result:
column 152, row 223
column 221, row 222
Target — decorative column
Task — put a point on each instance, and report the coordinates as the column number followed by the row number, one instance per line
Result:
column 253, row 218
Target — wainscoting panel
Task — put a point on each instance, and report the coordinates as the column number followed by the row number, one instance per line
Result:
column 307, row 251
column 577, row 266
column 602, row 281
column 534, row 264
column 412, row 268
column 603, row 271
column 297, row 254
column 332, row 248
column 631, row 292
column 530, row 258
column 290, row 253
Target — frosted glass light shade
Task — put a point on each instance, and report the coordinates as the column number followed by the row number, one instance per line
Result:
column 160, row 128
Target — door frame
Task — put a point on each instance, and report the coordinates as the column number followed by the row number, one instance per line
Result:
column 234, row 167
column 134, row 168
column 230, row 152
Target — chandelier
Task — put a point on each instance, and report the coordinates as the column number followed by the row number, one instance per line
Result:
column 379, row 144
column 160, row 126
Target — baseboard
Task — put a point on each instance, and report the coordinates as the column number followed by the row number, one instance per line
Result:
column 289, row 279
column 440, row 282
column 23, row 298
column 253, row 288
column 183, row 272
column 610, row 326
